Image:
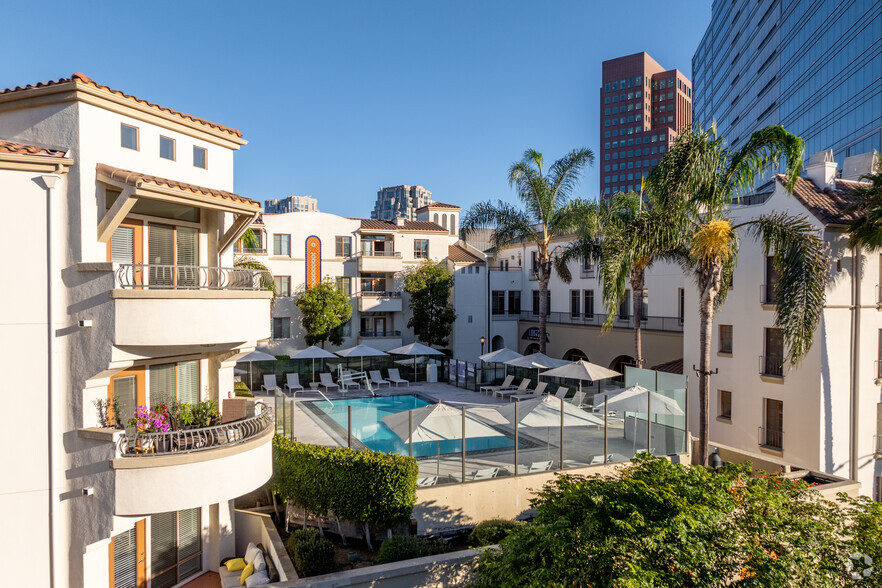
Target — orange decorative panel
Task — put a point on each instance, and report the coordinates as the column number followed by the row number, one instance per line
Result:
column 313, row 261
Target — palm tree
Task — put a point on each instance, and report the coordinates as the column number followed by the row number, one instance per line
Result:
column 549, row 210
column 694, row 184
column 624, row 236
column 865, row 231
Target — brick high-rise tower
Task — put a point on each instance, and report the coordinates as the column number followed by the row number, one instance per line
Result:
column 642, row 108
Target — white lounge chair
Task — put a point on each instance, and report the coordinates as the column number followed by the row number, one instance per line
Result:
column 347, row 382
column 396, row 378
column 596, row 460
column 485, row 474
column 506, row 385
column 269, row 384
column 427, row 481
column 578, row 399
column 327, row 383
column 377, row 378
column 539, row 466
column 535, row 393
column 293, row 382
column 522, row 387
column 561, row 392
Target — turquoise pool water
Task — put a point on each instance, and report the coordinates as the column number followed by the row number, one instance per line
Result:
column 373, row 432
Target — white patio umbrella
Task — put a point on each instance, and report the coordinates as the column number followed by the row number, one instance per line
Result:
column 312, row 352
column 546, row 412
column 500, row 356
column 361, row 351
column 254, row 356
column 583, row 371
column 437, row 422
column 414, row 349
column 636, row 398
column 537, row 361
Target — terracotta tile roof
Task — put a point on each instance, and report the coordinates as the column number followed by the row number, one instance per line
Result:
column 457, row 254
column 827, row 204
column 23, row 149
column 439, row 205
column 136, row 179
column 83, row 79
column 671, row 367
column 376, row 224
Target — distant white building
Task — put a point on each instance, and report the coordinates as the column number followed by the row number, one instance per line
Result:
column 120, row 289
column 826, row 413
column 366, row 259
column 291, row 204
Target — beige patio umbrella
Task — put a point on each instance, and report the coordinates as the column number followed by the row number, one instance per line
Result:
column 583, row 371
column 547, row 412
column 537, row 361
column 414, row 349
column 635, row 399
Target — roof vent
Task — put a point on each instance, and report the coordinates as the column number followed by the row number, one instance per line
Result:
column 399, row 220
column 821, row 169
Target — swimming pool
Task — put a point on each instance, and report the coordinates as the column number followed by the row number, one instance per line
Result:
column 368, row 427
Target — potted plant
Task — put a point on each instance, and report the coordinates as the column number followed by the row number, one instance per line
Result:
column 145, row 420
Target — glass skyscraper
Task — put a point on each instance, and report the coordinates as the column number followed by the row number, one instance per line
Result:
column 814, row 66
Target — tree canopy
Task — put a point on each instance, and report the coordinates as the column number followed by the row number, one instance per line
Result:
column 659, row 524
column 324, row 310
column 429, row 286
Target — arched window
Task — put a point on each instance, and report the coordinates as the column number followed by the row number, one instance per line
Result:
column 452, row 224
column 436, row 218
column 619, row 363
column 575, row 355
column 497, row 343
column 531, row 349
column 444, row 220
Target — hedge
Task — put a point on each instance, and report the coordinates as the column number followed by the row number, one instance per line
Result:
column 313, row 554
column 404, row 547
column 367, row 487
column 492, row 531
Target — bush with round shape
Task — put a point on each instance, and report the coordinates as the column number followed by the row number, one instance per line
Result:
column 406, row 547
column 313, row 554
column 493, row 531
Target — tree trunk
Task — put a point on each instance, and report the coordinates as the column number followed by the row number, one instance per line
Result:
column 637, row 279
column 543, row 309
column 709, row 285
column 340, row 530
column 367, row 536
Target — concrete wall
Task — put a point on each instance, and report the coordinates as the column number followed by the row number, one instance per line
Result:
column 470, row 299
column 254, row 527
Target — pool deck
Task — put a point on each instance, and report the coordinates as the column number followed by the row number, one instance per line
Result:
column 582, row 444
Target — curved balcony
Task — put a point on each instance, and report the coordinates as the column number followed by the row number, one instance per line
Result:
column 379, row 301
column 143, row 276
column 161, row 472
column 379, row 261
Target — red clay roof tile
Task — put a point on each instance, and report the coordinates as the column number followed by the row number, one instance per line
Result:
column 376, row 224
column 439, row 205
column 830, row 206
column 23, row 149
column 457, row 254
column 84, row 79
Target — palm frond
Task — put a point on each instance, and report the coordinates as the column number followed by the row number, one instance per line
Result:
column 510, row 224
column 766, row 148
column 531, row 189
column 865, row 231
column 564, row 174
column 801, row 259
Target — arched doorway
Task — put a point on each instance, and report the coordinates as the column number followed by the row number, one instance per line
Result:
column 497, row 343
column 619, row 363
column 531, row 349
column 575, row 355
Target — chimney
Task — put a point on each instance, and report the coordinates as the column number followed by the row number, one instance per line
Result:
column 399, row 220
column 858, row 165
column 821, row 169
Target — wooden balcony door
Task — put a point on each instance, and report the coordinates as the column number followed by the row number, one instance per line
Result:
column 128, row 557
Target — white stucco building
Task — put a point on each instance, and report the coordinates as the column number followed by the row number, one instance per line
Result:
column 366, row 258
column 120, row 288
column 825, row 413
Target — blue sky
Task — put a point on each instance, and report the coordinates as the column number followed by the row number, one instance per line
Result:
column 339, row 98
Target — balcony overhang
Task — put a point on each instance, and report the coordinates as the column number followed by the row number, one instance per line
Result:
column 134, row 186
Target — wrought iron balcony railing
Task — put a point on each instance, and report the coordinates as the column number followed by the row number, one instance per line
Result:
column 191, row 440
column 249, row 250
column 143, row 276
column 771, row 365
column 368, row 334
column 379, row 254
column 369, row 294
column 772, row 438
column 650, row 323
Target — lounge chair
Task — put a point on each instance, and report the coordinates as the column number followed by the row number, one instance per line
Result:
column 347, row 382
column 269, row 383
column 578, row 399
column 485, row 474
column 293, row 382
column 522, row 387
column 597, row 460
column 395, row 378
column 327, row 383
column 539, row 466
column 506, row 385
column 427, row 481
column 561, row 392
column 377, row 378
column 535, row 393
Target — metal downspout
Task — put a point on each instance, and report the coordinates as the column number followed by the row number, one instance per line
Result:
column 854, row 398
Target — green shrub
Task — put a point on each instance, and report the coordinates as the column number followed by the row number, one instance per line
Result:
column 241, row 389
column 283, row 357
column 401, row 548
column 361, row 486
column 313, row 554
column 493, row 531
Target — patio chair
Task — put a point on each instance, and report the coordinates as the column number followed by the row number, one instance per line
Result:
column 269, row 383
column 377, row 378
column 596, row 460
column 347, row 382
column 293, row 382
column 578, row 399
column 327, row 382
column 539, row 466
column 427, row 481
column 522, row 387
column 395, row 378
column 485, row 474
column 535, row 393
column 561, row 392
column 506, row 385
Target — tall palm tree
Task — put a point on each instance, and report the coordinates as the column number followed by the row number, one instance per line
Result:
column 865, row 231
column 695, row 184
column 549, row 210
column 624, row 236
